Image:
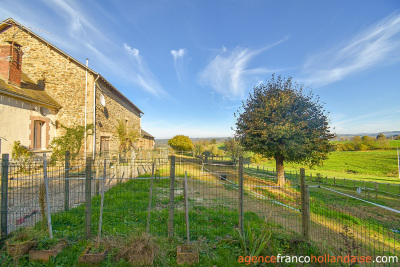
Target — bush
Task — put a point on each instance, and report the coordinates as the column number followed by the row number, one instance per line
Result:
column 257, row 158
column 180, row 143
column 363, row 147
column 22, row 155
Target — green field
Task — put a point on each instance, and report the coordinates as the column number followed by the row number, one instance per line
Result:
column 374, row 165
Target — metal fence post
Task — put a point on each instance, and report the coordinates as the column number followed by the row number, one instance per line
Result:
column 88, row 197
column 240, row 174
column 66, row 181
column 4, row 193
column 150, row 197
column 305, row 205
column 171, row 198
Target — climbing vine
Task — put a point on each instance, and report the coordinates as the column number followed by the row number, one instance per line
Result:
column 71, row 141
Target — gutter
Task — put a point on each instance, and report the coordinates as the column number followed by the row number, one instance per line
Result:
column 30, row 100
column 94, row 116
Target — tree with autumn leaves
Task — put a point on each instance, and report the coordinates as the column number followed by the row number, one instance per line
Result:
column 280, row 120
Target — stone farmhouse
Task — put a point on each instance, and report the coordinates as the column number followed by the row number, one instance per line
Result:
column 43, row 88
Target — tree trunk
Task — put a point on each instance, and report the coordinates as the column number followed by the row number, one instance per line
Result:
column 280, row 172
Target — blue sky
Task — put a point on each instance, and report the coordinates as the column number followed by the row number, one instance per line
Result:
column 189, row 64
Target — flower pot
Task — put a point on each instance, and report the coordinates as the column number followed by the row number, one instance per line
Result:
column 187, row 254
column 21, row 248
column 44, row 255
column 92, row 258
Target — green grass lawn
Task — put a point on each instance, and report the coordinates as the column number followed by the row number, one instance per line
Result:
column 213, row 229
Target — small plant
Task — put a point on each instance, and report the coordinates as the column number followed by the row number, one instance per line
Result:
column 127, row 138
column 350, row 245
column 253, row 243
column 22, row 155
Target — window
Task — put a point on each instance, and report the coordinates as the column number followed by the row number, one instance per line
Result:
column 104, row 146
column 37, row 135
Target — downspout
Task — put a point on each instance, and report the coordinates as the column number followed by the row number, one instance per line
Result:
column 87, row 65
column 94, row 116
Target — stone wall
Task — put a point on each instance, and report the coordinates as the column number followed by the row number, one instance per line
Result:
column 116, row 108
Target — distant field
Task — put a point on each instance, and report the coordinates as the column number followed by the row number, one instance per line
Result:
column 394, row 143
column 374, row 165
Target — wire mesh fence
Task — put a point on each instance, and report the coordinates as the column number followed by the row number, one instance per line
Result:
column 149, row 194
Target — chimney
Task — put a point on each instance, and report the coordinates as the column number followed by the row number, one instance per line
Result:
column 11, row 63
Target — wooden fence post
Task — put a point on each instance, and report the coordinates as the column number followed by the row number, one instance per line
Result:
column 66, row 181
column 240, row 174
column 97, row 177
column 46, row 184
column 171, row 198
column 4, row 194
column 305, row 205
column 334, row 180
column 88, row 197
column 376, row 191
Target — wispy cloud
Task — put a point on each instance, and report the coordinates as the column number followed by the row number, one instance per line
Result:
column 141, row 75
column 378, row 44
column 178, row 56
column 228, row 72
column 78, row 24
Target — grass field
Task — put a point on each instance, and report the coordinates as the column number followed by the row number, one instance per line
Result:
column 374, row 165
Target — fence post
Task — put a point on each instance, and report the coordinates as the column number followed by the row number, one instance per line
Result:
column 4, row 194
column 334, row 180
column 46, row 184
column 88, row 197
column 97, row 178
column 310, row 177
column 305, row 205
column 171, row 198
column 240, row 174
column 66, row 181
column 150, row 197
column 376, row 191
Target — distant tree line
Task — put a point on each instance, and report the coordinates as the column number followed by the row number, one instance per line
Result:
column 359, row 143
